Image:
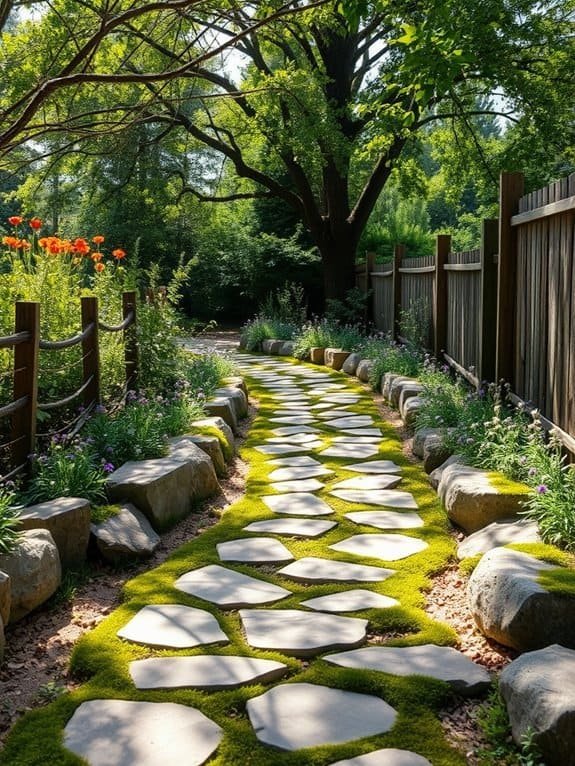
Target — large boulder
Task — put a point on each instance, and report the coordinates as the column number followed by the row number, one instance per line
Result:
column 512, row 607
column 5, row 596
column 237, row 398
column 418, row 443
column 268, row 344
column 236, row 381
column 212, row 447
column 165, row 489
column 34, row 569
column 386, row 382
column 473, row 499
column 350, row 364
column 437, row 474
column 218, row 424
column 364, row 369
column 396, row 387
column 497, row 534
column 410, row 410
column 287, row 348
column 539, row 691
column 338, row 359
column 68, row 521
column 125, row 536
column 222, row 407
column 435, row 451
column 407, row 392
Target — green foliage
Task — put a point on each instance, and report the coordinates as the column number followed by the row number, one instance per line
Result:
column 9, row 521
column 351, row 310
column 287, row 304
column 203, row 374
column 415, row 323
column 494, row 723
column 99, row 513
column 260, row 328
column 388, row 356
column 324, row 333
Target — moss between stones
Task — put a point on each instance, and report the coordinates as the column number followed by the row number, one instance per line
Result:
column 101, row 658
column 227, row 449
column 99, row 513
column 507, row 486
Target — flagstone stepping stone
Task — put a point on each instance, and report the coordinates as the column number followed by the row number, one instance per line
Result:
column 353, row 439
column 391, row 498
column 358, row 421
column 441, row 662
column 362, row 431
column 298, row 485
column 254, row 550
column 293, row 439
column 375, row 466
column 322, row 406
column 384, row 547
column 301, row 634
column 350, row 601
column 289, row 430
column 298, row 472
column 297, row 504
column 174, row 626
column 386, row 519
column 339, row 413
column 350, row 449
column 377, row 481
column 499, row 533
column 292, row 527
column 347, row 398
column 295, row 420
column 299, row 460
column 227, row 588
column 299, row 413
column 126, row 733
column 312, row 569
column 294, row 716
column 209, row 672
column 285, row 449
column 389, row 756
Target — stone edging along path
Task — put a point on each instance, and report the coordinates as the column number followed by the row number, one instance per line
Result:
column 224, row 654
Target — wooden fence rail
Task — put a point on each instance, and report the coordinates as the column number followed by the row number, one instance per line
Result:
column 503, row 311
column 27, row 345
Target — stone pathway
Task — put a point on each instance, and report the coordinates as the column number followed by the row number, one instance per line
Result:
column 305, row 561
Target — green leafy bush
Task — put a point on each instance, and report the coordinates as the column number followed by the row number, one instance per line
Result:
column 388, row 356
column 261, row 328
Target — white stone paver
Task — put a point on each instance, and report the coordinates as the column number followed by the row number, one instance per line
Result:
column 378, row 481
column 390, row 756
column 389, row 498
column 301, row 634
column 293, row 439
column 253, row 550
column 352, row 438
column 211, row 672
column 374, row 466
column 361, row 431
column 338, row 413
column 290, row 430
column 296, row 460
column 354, row 600
column 357, row 421
column 294, row 716
column 173, row 626
column 312, row 569
column 294, row 420
column 299, row 471
column 350, row 450
column 227, row 588
column 298, row 485
column 286, row 449
column 380, row 546
column 125, row 733
column 297, row 504
column 298, row 527
column 386, row 519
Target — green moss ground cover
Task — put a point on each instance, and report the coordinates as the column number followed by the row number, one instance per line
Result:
column 101, row 659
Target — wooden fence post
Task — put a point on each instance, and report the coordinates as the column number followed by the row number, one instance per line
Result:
column 442, row 250
column 510, row 190
column 129, row 303
column 369, row 267
column 25, row 382
column 91, row 351
column 488, row 300
column 398, row 255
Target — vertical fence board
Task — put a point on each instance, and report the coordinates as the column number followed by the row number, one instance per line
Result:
column 131, row 356
column 25, row 382
column 90, row 351
column 440, row 295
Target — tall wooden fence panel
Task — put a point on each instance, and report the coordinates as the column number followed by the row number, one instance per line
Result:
column 417, row 294
column 382, row 287
column 463, row 333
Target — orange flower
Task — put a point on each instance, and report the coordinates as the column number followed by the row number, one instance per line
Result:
column 80, row 246
column 15, row 220
column 54, row 245
column 24, row 244
column 96, row 257
column 64, row 246
column 98, row 239
column 99, row 267
column 35, row 223
column 118, row 254
column 10, row 241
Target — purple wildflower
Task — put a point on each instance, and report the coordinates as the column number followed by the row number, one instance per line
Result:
column 108, row 467
column 541, row 489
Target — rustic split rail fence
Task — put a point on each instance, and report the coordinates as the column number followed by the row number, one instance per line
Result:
column 27, row 345
column 503, row 311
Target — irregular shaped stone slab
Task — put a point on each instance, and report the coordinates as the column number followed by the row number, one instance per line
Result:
column 350, row 601
column 343, row 398
column 381, row 481
column 126, row 535
column 227, row 588
column 297, row 504
column 203, row 672
column 174, row 626
column 292, row 527
column 353, row 439
column 389, row 756
column 289, row 430
column 295, row 420
column 255, row 550
column 499, row 533
column 377, row 497
column 374, row 466
column 299, row 471
column 362, row 431
column 300, row 634
column 441, row 662
column 358, row 421
column 296, row 460
column 294, row 716
column 285, row 449
column 351, row 450
column 509, row 605
column 293, row 439
column 538, row 692
column 313, row 570
column 68, row 521
column 386, row 519
column 298, row 485
column 384, row 547
column 338, row 413
column 125, row 733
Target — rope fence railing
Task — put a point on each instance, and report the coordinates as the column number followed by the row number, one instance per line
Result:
column 27, row 345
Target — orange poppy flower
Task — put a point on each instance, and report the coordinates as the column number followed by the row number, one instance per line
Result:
column 15, row 220
column 54, row 246
column 64, row 246
column 35, row 223
column 98, row 239
column 80, row 246
column 118, row 254
column 99, row 267
column 24, row 244
column 10, row 241
column 96, row 257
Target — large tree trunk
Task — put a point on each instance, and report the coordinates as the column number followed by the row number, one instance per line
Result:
column 338, row 261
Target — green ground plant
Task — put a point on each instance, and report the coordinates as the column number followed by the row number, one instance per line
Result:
column 9, row 521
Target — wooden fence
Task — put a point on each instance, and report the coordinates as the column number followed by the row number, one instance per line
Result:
column 504, row 311
column 27, row 345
